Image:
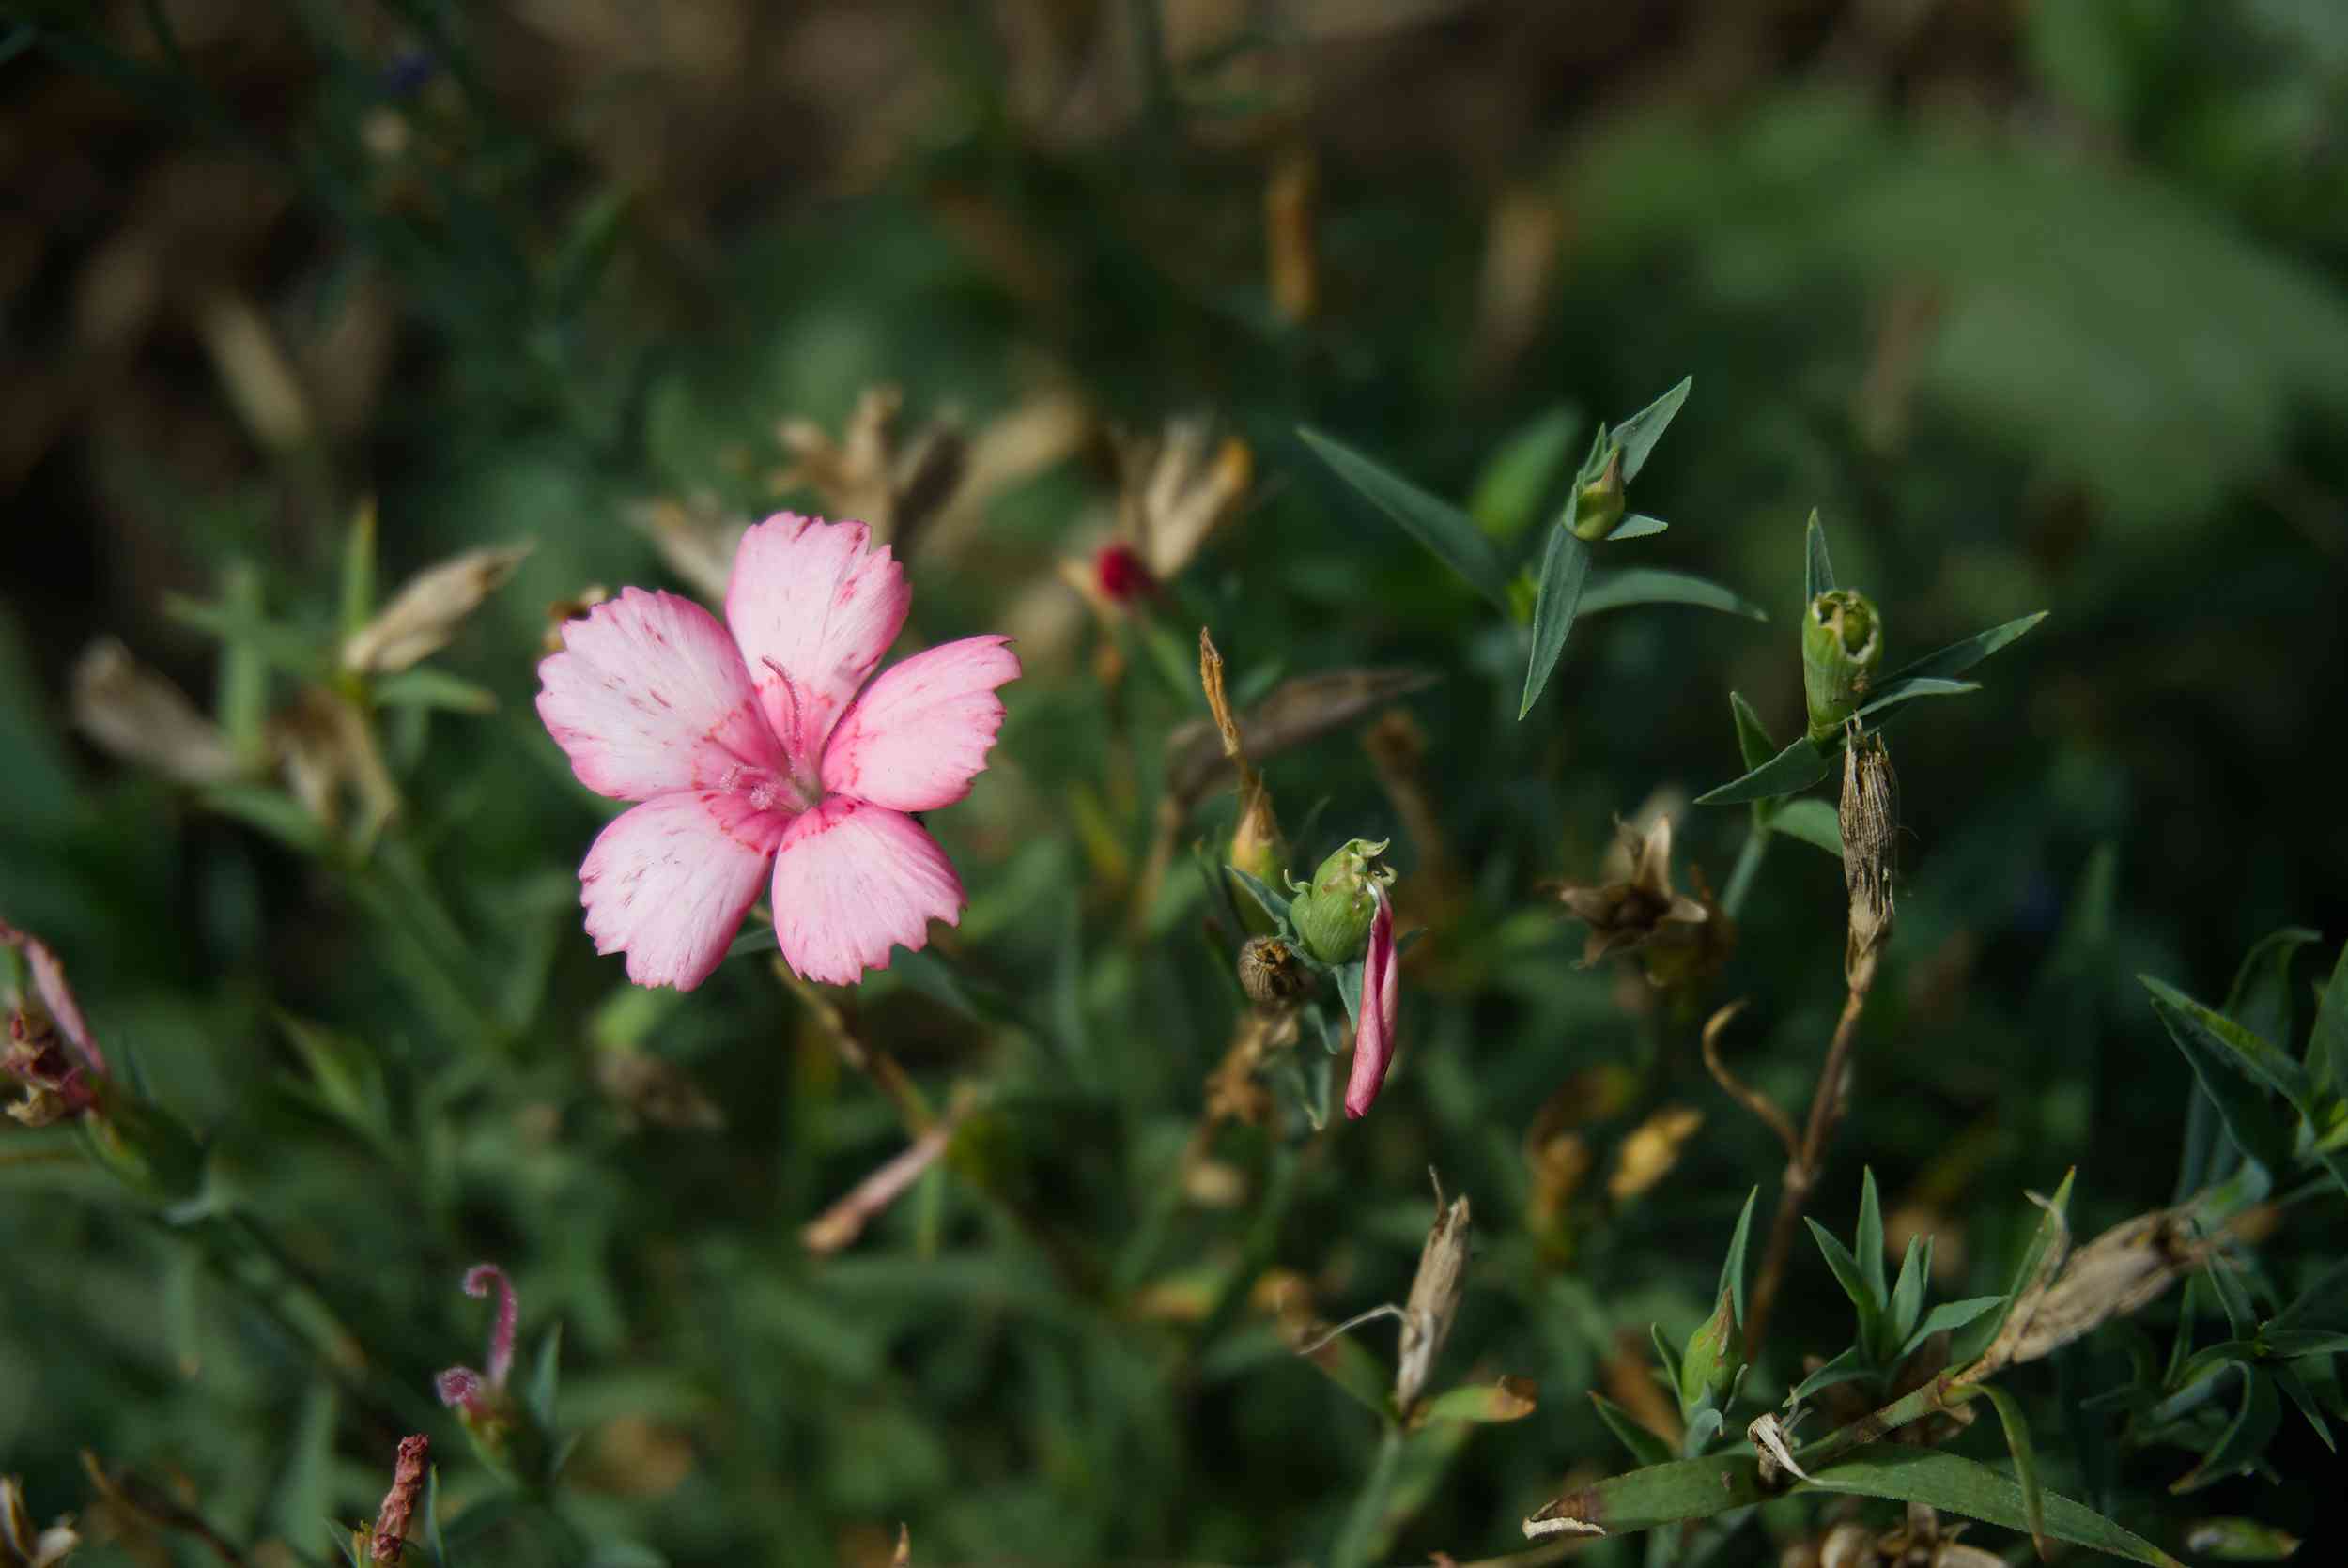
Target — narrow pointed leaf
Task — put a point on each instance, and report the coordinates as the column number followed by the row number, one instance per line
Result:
column 2297, row 1387
column 2327, row 1046
column 1273, row 905
column 2260, row 997
column 1732, row 1267
column 1344, row 1363
column 1641, row 431
column 1818, row 575
column 2246, row 1436
column 1950, row 1315
column 1637, row 525
column 1848, row 1367
column 2049, row 1237
column 1654, row 585
column 1564, row 572
column 2288, row 1342
column 1753, row 737
column 1958, row 657
column 2025, row 1464
column 2241, row 1316
column 1442, row 527
column 1796, row 767
column 1907, row 1295
column 1814, row 821
column 1850, row 1277
column 1665, row 1353
column 1660, row 1495
column 1960, row 1486
column 1869, row 1241
column 2325, row 1293
column 1891, row 696
column 545, row 1378
column 2225, row 1076
column 1646, row 1446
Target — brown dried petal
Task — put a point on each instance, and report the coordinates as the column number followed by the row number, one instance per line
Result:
column 424, row 615
column 139, row 717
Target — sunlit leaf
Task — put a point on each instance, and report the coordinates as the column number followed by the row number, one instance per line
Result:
column 1654, row 585
column 1517, row 478
column 1509, row 1399
column 1960, row 1486
column 2025, row 1463
column 1958, row 657
column 1565, row 569
column 1818, row 572
column 1812, row 821
column 1442, row 527
column 1638, row 434
column 1637, row 525
column 1796, row 767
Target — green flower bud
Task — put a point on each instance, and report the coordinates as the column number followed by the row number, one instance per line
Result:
column 1332, row 915
column 1709, row 1364
column 1600, row 504
column 1842, row 643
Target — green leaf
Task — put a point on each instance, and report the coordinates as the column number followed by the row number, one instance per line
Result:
column 1485, row 1403
column 2297, row 1387
column 2260, row 997
column 359, row 570
column 1818, row 572
column 1753, row 737
column 2241, row 1316
column 1443, row 529
column 1637, row 525
column 1344, row 1363
column 1848, row 1367
column 243, row 708
column 1638, row 434
column 1509, row 491
column 274, row 812
column 1653, row 585
column 1666, row 1353
column 1908, row 1295
column 432, row 1517
column 2246, row 1436
column 2025, row 1464
column 1644, row 1446
column 2288, row 1342
column 1870, row 1237
column 1273, row 905
column 2225, row 1076
column 2239, row 1541
column 1853, row 1280
column 1958, row 1485
column 2328, row 1043
column 1957, row 657
column 760, row 939
column 546, row 1375
column 2325, row 1291
column 1732, row 1267
column 240, row 629
column 1950, row 1315
column 1663, row 1493
column 1796, row 767
column 424, row 686
column 2050, row 1237
column 1564, row 571
column 1812, row 822
column 1890, row 696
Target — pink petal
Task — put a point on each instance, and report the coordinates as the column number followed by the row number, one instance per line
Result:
column 49, row 983
column 668, row 882
column 852, row 878
column 1373, row 1034
column 919, row 733
column 813, row 611
column 649, row 696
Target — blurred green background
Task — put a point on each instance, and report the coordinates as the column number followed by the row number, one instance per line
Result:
column 2041, row 306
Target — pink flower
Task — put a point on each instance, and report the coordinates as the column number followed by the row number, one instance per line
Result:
column 1374, row 1034
column 765, row 746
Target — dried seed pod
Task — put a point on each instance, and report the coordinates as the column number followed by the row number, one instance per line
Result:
column 1268, row 972
column 1842, row 643
column 1869, row 824
column 1434, row 1299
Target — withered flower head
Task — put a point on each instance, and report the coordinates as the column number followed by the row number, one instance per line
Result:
column 1870, row 823
column 392, row 1520
column 1178, row 489
column 424, row 615
column 1269, row 972
column 136, row 715
column 1434, row 1299
column 1648, row 1154
column 878, row 472
column 1683, row 937
column 695, row 537
column 2122, row 1269
column 47, row 1048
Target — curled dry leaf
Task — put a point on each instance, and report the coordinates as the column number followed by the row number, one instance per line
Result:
column 1770, row 1439
column 424, row 615
column 136, row 715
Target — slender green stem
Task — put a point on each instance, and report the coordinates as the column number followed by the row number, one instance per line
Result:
column 1749, row 858
column 1358, row 1537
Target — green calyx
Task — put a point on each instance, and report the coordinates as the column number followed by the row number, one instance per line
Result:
column 1714, row 1353
column 1841, row 645
column 1333, row 914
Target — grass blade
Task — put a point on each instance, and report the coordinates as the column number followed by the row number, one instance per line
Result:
column 1449, row 532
